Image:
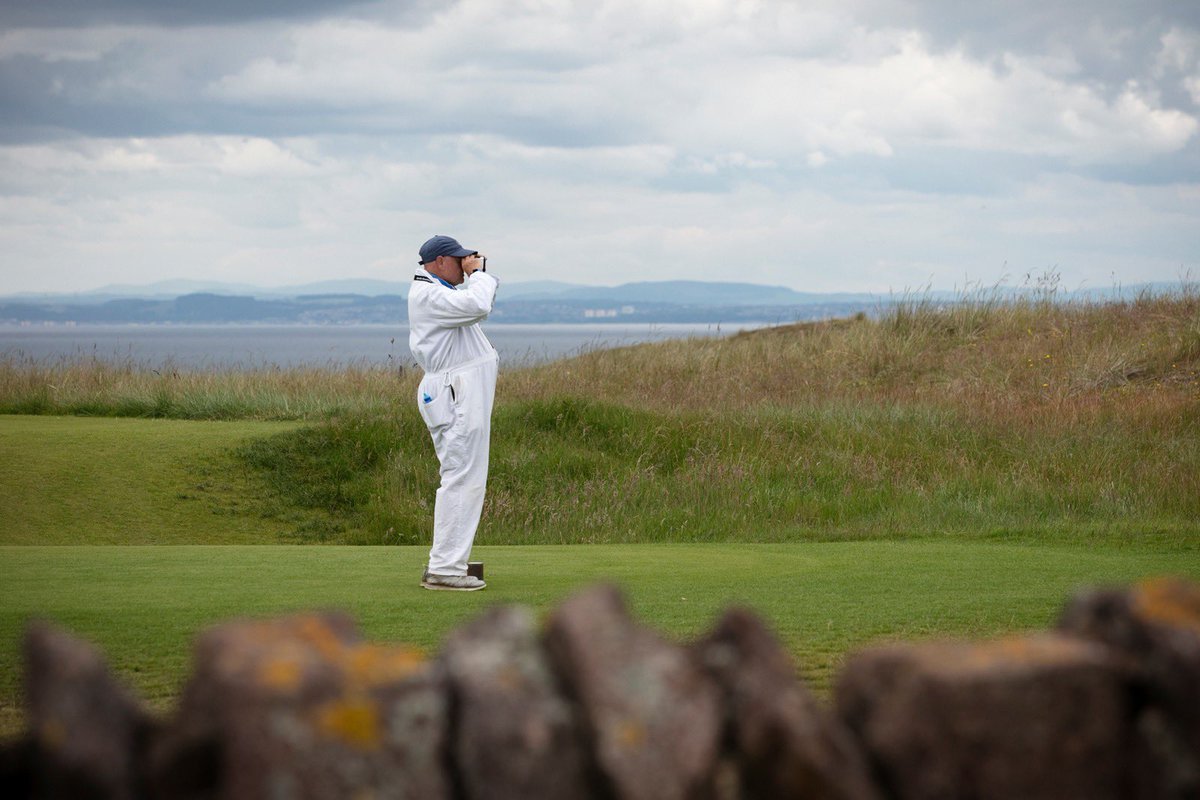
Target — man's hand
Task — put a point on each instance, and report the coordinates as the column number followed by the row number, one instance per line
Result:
column 472, row 263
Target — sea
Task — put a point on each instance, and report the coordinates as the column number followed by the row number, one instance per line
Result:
column 200, row 347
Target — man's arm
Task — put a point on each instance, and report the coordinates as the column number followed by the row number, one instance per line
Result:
column 465, row 306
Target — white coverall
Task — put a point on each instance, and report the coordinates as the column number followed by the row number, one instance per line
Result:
column 455, row 398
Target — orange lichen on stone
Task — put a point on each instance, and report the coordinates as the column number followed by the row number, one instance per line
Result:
column 354, row 720
column 281, row 673
column 317, row 632
column 631, row 733
column 283, row 656
column 372, row 665
column 1169, row 601
column 1010, row 651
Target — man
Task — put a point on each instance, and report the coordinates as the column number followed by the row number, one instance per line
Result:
column 455, row 396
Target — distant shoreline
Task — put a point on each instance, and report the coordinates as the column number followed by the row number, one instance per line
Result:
column 263, row 345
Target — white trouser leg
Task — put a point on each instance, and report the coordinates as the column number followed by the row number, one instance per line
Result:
column 462, row 450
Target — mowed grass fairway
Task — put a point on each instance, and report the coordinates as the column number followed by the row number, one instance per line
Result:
column 70, row 480
column 143, row 604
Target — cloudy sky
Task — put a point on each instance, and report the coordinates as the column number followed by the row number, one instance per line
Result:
column 865, row 145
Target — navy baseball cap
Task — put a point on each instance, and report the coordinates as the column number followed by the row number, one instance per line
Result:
column 443, row 246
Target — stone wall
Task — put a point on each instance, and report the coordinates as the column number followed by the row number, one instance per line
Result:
column 594, row 705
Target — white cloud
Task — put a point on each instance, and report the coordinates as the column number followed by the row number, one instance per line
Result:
column 1192, row 84
column 361, row 216
column 1179, row 57
column 259, row 157
column 174, row 157
column 724, row 77
column 1179, row 52
column 914, row 97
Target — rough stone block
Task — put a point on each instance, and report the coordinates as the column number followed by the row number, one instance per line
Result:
column 516, row 735
column 1156, row 625
column 1039, row 717
column 88, row 731
column 651, row 714
column 301, row 708
column 783, row 743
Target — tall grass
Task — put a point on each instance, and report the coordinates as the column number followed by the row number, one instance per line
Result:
column 983, row 354
column 987, row 417
column 96, row 387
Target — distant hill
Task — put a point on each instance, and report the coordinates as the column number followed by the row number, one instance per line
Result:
column 359, row 300
column 173, row 288
column 350, row 309
column 681, row 292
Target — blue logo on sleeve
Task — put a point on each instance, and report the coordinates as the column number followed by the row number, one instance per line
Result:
column 427, row 398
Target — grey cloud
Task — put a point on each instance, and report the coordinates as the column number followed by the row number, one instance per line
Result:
column 72, row 13
column 93, row 98
column 160, row 81
column 544, row 93
column 703, row 136
column 1109, row 41
column 1177, row 169
column 1031, row 25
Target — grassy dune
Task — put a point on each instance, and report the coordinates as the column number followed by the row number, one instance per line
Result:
column 985, row 419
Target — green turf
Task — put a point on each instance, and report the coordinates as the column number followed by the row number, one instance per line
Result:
column 143, row 604
column 71, row 480
column 573, row 472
